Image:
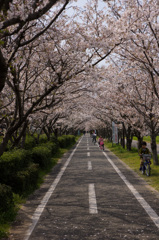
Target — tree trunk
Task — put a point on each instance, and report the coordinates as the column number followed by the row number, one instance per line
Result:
column 140, row 140
column 3, row 71
column 123, row 136
column 4, row 143
column 154, row 149
column 56, row 133
column 128, row 139
column 46, row 131
column 128, row 143
column 23, row 139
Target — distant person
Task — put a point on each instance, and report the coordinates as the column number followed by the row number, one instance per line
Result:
column 94, row 135
column 101, row 142
column 143, row 150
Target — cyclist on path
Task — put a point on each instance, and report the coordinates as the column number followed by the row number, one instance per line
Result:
column 143, row 150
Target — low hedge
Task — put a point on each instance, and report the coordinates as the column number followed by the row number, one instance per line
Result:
column 42, row 155
column 30, row 142
column 16, row 161
column 66, row 140
column 26, row 180
column 52, row 146
column 43, row 139
column 11, row 163
column 6, row 198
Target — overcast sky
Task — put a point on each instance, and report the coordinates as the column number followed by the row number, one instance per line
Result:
column 81, row 3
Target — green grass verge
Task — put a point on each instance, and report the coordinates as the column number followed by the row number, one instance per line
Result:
column 4, row 230
column 148, row 139
column 5, row 226
column 131, row 158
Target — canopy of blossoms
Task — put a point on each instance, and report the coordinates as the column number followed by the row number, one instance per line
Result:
column 79, row 71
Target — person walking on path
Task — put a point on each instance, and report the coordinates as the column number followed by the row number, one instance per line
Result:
column 94, row 135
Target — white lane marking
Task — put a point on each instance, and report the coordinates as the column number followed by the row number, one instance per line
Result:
column 87, row 148
column 92, row 199
column 89, row 165
column 40, row 208
column 152, row 214
column 88, row 154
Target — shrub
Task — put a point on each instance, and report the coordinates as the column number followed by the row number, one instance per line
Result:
column 71, row 139
column 52, row 146
column 42, row 155
column 53, row 138
column 11, row 162
column 26, row 180
column 43, row 139
column 66, row 140
column 29, row 142
column 6, row 199
column 62, row 142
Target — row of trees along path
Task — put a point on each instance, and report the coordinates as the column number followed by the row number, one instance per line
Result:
column 81, row 70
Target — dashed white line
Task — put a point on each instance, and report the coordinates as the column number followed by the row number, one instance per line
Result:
column 89, row 165
column 40, row 208
column 87, row 148
column 88, row 154
column 152, row 214
column 92, row 199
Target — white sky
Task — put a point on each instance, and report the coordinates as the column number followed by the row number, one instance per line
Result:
column 81, row 3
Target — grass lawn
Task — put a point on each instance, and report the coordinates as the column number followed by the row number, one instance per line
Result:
column 133, row 161
column 148, row 139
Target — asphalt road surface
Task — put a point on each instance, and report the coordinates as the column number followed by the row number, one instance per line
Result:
column 91, row 195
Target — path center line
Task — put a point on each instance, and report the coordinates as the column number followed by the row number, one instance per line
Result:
column 89, row 165
column 152, row 214
column 88, row 154
column 92, row 199
column 41, row 206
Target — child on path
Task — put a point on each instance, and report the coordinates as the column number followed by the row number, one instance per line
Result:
column 143, row 150
column 101, row 142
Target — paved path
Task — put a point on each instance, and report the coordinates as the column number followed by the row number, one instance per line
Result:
column 92, row 196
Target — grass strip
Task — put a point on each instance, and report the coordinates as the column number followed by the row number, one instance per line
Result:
column 148, row 139
column 131, row 158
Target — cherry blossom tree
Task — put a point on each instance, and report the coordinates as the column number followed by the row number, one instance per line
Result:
column 54, row 75
column 39, row 69
column 19, row 25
